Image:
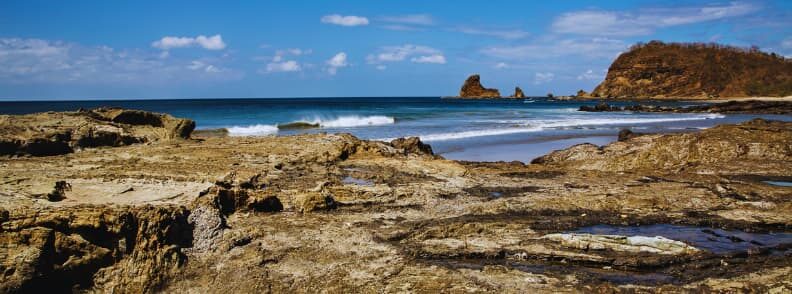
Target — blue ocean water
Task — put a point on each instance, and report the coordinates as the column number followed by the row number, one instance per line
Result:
column 506, row 129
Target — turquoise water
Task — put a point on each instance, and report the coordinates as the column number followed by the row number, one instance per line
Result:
column 452, row 126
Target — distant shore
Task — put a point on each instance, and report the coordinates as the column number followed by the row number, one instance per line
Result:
column 719, row 100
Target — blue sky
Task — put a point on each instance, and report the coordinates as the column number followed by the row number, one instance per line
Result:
column 183, row 49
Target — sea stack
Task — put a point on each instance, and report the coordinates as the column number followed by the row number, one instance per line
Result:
column 518, row 93
column 473, row 89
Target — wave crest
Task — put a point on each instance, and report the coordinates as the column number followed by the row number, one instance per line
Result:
column 527, row 126
column 254, row 130
column 350, row 121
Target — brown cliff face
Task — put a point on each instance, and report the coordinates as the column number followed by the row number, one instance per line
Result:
column 518, row 93
column 674, row 70
column 473, row 89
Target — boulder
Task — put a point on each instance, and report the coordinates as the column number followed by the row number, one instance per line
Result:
column 315, row 201
column 473, row 89
column 412, row 145
column 626, row 134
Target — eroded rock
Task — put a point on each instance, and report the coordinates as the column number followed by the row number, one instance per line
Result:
column 54, row 133
column 657, row 244
column 472, row 88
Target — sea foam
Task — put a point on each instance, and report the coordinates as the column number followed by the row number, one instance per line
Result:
column 254, row 130
column 527, row 126
column 351, row 121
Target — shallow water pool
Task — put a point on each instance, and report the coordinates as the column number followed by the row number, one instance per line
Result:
column 717, row 241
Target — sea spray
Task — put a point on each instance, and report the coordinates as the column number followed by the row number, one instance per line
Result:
column 349, row 121
column 528, row 126
column 254, row 130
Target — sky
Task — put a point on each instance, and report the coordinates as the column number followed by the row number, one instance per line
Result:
column 59, row 50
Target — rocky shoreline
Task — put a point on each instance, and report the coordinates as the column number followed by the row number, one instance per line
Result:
column 746, row 106
column 333, row 213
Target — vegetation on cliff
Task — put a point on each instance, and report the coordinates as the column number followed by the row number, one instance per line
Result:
column 676, row 70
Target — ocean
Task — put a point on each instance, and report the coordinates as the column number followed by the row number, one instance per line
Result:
column 479, row 130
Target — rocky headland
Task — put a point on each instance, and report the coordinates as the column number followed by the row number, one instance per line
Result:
column 333, row 213
column 692, row 70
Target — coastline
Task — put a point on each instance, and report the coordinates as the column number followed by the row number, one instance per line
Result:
column 680, row 99
column 311, row 207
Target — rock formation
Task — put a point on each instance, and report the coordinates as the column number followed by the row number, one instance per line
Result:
column 748, row 106
column 54, row 133
column 473, row 89
column 518, row 93
column 333, row 213
column 674, row 70
column 627, row 134
column 723, row 144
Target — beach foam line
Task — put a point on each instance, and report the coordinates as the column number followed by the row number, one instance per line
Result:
column 253, row 130
column 535, row 126
column 623, row 120
column 600, row 121
column 471, row 134
column 349, row 121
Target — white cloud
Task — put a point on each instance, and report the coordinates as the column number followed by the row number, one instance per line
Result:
column 284, row 66
column 645, row 21
column 400, row 53
column 280, row 63
column 203, row 66
column 590, row 48
column 294, row 51
column 381, row 67
column 434, row 58
column 543, row 77
column 399, row 27
column 411, row 19
column 337, row 61
column 43, row 61
column 501, row 65
column 347, row 21
column 503, row 34
column 590, row 75
column 787, row 44
column 210, row 43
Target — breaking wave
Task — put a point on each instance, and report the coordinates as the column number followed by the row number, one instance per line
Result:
column 339, row 122
column 527, row 126
column 254, row 130
column 349, row 121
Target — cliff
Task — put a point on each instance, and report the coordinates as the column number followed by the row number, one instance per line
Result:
column 472, row 88
column 676, row 70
